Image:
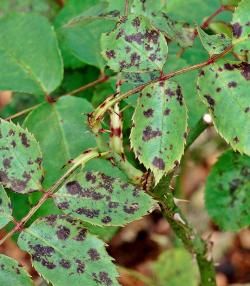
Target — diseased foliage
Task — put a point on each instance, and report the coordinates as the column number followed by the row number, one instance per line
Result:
column 228, row 188
column 241, row 30
column 214, row 44
column 54, row 243
column 102, row 200
column 159, row 121
column 223, row 86
column 75, row 174
column 134, row 46
column 11, row 273
column 21, row 159
column 5, row 208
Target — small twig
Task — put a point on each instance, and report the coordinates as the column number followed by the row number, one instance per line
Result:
column 96, row 116
column 101, row 79
column 20, row 113
column 80, row 160
column 126, row 7
column 191, row 240
column 206, row 23
column 60, row 2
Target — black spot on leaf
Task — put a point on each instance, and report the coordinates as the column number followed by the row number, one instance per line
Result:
column 110, row 54
column 106, row 219
column 88, row 212
column 6, row 163
column 148, row 113
column 237, row 30
column 210, row 101
column 131, row 209
column 73, row 188
column 90, row 177
column 81, row 235
column 167, row 111
column 93, row 254
column 245, row 70
column 63, row 205
column 63, row 232
column 158, row 163
column 65, row 263
column 232, row 84
column 24, row 140
column 80, row 266
column 149, row 134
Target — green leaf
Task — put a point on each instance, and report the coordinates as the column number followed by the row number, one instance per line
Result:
column 103, row 232
column 230, row 2
column 79, row 30
column 134, row 46
column 241, row 29
column 102, row 200
column 214, row 44
column 175, row 267
column 224, row 88
column 62, row 131
column 74, row 8
column 227, row 193
column 147, row 7
column 106, row 167
column 29, row 54
column 187, row 81
column 20, row 159
column 46, row 8
column 65, row 254
column 180, row 32
column 192, row 11
column 5, row 209
column 160, row 125
column 13, row 273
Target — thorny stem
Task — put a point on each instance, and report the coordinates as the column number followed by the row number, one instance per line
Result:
column 96, row 116
column 80, row 160
column 191, row 240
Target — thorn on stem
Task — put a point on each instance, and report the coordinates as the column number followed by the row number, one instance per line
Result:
column 177, row 217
